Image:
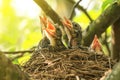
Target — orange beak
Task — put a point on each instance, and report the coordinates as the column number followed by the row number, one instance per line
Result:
column 96, row 45
column 67, row 23
column 43, row 20
column 50, row 28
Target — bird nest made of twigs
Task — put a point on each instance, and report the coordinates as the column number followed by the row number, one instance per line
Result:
column 71, row 64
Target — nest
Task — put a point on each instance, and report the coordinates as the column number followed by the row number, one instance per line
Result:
column 71, row 64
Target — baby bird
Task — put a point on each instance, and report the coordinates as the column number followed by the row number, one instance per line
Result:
column 96, row 45
column 44, row 42
column 74, row 33
column 53, row 33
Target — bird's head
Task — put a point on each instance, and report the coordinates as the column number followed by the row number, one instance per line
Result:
column 68, row 28
column 96, row 45
column 50, row 32
column 50, row 28
column 67, row 23
column 76, row 27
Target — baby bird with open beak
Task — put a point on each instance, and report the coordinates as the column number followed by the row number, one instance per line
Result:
column 44, row 42
column 96, row 45
column 53, row 33
column 74, row 33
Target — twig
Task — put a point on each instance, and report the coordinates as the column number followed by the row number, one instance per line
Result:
column 17, row 56
column 73, row 9
column 77, row 78
column 17, row 52
column 109, row 60
column 107, row 46
column 42, row 55
column 83, row 10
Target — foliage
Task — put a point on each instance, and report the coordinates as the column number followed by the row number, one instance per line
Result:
column 15, row 30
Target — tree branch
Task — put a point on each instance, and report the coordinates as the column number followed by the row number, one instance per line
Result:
column 116, row 40
column 16, row 57
column 17, row 52
column 83, row 10
column 108, row 17
column 9, row 71
column 106, row 43
column 49, row 11
column 73, row 9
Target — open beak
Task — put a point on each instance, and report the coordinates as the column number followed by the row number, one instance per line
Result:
column 96, row 45
column 67, row 23
column 50, row 28
column 50, row 33
column 43, row 20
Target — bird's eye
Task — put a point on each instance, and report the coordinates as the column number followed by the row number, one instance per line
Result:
column 75, row 25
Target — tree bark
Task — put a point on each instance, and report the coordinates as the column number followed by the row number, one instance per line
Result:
column 49, row 11
column 8, row 71
column 108, row 17
column 116, row 40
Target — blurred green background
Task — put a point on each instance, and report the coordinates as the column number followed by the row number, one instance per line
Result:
column 20, row 25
